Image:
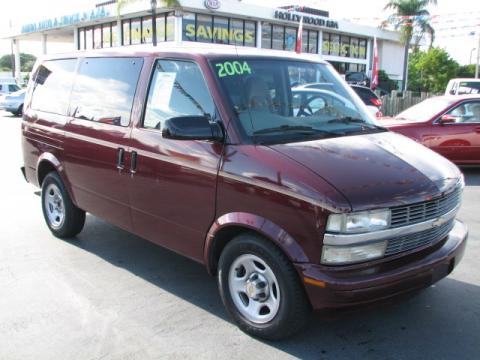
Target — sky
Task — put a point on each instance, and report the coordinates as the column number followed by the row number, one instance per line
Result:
column 453, row 21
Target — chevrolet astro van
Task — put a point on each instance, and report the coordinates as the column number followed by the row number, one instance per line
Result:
column 294, row 200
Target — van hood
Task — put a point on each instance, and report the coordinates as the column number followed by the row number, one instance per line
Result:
column 376, row 170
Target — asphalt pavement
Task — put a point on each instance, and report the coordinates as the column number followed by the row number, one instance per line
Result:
column 111, row 295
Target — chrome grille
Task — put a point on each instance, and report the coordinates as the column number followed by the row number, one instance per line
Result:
column 419, row 239
column 427, row 210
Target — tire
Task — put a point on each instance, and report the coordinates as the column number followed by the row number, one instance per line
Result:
column 19, row 111
column 63, row 218
column 254, row 272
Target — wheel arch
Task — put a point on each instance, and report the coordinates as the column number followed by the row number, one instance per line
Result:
column 226, row 227
column 48, row 162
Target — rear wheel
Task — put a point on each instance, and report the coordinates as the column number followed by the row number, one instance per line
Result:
column 19, row 111
column 260, row 288
column 63, row 218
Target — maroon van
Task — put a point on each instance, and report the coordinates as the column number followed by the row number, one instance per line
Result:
column 295, row 200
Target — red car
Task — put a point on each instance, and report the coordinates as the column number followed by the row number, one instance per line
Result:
column 449, row 125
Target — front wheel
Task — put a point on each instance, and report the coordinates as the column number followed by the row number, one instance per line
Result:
column 261, row 289
column 63, row 218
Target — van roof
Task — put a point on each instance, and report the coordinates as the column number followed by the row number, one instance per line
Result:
column 202, row 49
column 465, row 79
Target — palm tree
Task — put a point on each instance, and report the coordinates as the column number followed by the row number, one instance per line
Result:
column 412, row 18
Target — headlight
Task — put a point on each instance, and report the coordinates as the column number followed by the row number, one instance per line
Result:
column 338, row 255
column 364, row 221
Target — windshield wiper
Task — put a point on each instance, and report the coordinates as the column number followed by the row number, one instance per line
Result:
column 293, row 128
column 347, row 120
column 364, row 125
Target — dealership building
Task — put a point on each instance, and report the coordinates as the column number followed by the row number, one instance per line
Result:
column 347, row 46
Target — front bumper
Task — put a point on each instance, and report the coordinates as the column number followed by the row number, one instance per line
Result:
column 340, row 286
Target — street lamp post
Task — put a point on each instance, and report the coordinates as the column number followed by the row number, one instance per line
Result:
column 471, row 53
column 478, row 56
column 153, row 4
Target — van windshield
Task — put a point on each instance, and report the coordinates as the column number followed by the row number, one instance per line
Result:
column 275, row 103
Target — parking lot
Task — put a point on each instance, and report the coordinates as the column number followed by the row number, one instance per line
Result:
column 111, row 295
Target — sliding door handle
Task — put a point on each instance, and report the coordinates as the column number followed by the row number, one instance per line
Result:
column 133, row 162
column 121, row 159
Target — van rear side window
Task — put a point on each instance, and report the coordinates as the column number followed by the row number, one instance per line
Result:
column 104, row 89
column 53, row 84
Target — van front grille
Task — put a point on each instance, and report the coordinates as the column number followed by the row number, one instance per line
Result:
column 422, row 238
column 427, row 210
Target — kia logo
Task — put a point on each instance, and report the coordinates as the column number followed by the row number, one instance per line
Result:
column 212, row 4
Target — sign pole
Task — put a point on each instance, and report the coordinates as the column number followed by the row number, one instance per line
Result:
column 478, row 55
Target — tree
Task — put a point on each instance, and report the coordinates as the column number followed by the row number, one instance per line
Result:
column 431, row 70
column 466, row 71
column 384, row 81
column 410, row 17
column 26, row 62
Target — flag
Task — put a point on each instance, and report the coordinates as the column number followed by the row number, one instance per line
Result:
column 374, row 82
column 298, row 46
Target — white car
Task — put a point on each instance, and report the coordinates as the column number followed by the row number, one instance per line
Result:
column 463, row 86
column 13, row 102
column 8, row 87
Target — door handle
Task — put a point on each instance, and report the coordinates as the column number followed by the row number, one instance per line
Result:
column 133, row 162
column 477, row 130
column 121, row 159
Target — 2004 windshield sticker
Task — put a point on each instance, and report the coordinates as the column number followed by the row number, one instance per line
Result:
column 232, row 68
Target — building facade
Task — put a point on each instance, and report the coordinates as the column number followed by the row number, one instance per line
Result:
column 347, row 46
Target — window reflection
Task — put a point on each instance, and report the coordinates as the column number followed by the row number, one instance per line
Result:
column 104, row 89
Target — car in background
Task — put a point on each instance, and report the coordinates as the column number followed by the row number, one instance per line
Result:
column 357, row 78
column 449, row 125
column 8, row 87
column 13, row 102
column 463, row 86
column 369, row 98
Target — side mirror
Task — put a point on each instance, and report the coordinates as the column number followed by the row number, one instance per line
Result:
column 448, row 119
column 192, row 128
column 452, row 92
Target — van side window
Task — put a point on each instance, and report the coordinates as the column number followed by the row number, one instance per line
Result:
column 104, row 89
column 52, row 87
column 13, row 88
column 177, row 89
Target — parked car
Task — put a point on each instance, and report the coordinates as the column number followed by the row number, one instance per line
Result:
column 202, row 150
column 357, row 78
column 463, row 86
column 8, row 87
column 369, row 98
column 13, row 103
column 449, row 125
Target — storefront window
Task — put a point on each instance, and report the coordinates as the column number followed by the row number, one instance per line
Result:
column 312, row 41
column 160, row 27
column 334, row 45
column 170, row 27
column 135, row 31
column 266, row 36
column 345, row 46
column 88, row 38
column 290, row 39
column 147, row 30
column 204, row 28
column 106, row 36
column 354, row 47
column 220, row 30
column 277, row 37
column 97, row 37
column 126, row 32
column 305, row 41
column 188, row 24
column 114, row 34
column 236, row 32
column 249, row 34
column 362, row 49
